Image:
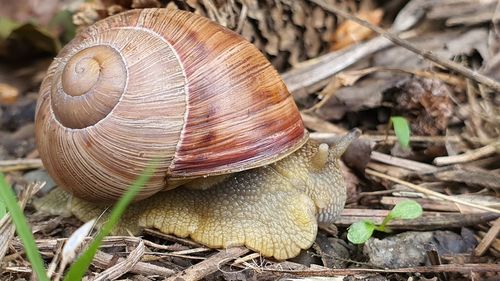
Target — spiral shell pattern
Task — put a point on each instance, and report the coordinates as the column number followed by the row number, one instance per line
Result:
column 161, row 85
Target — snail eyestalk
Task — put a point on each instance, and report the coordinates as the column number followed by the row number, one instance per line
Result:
column 343, row 143
column 321, row 157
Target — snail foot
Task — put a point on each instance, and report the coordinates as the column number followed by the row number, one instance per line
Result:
column 57, row 202
column 261, row 211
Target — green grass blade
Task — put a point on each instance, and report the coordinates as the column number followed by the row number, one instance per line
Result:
column 23, row 230
column 80, row 266
column 3, row 208
column 402, row 130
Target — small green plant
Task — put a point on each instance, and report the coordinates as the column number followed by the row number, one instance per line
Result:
column 361, row 231
column 402, row 130
column 80, row 266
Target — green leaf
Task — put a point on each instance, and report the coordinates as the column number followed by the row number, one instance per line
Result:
column 402, row 130
column 406, row 210
column 359, row 232
column 80, row 266
column 22, row 229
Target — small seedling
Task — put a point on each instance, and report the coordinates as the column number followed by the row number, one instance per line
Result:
column 361, row 231
column 402, row 130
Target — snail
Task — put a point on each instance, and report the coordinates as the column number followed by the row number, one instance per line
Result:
column 235, row 166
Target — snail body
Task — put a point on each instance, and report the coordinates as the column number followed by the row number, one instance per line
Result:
column 176, row 88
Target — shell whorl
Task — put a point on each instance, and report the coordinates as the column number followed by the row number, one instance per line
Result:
column 88, row 86
column 161, row 85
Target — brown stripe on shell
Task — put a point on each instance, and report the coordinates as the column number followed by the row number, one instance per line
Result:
column 240, row 114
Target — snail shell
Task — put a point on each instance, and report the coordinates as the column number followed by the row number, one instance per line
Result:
column 163, row 85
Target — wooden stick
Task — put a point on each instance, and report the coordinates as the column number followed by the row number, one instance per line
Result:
column 210, row 265
column 428, row 221
column 465, row 268
column 488, row 239
column 402, row 163
column 20, row 164
column 430, row 192
column 469, row 155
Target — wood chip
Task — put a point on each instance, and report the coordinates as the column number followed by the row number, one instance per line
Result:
column 210, row 265
column 102, row 260
column 488, row 239
column 124, row 265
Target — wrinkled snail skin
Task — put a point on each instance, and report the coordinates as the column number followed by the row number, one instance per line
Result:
column 166, row 85
column 203, row 103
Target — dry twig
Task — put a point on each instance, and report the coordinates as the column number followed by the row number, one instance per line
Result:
column 20, row 164
column 430, row 192
column 210, row 265
column 468, row 156
column 488, row 239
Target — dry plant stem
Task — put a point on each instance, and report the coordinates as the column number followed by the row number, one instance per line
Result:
column 124, row 266
column 429, row 220
column 472, row 155
column 185, row 256
column 434, row 258
column 469, row 176
column 494, row 246
column 326, row 94
column 7, row 229
column 464, row 268
column 163, row 247
column 210, row 265
column 20, row 164
column 191, row 251
column 430, row 192
column 246, row 258
column 475, row 115
column 400, row 162
column 102, row 260
column 488, row 239
column 427, row 204
column 55, row 261
column 471, row 74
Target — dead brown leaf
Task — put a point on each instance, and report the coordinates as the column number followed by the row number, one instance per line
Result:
column 350, row 32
